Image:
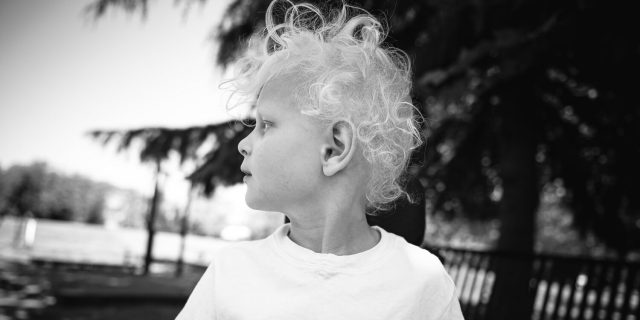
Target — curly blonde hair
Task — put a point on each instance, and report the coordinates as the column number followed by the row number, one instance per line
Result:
column 345, row 74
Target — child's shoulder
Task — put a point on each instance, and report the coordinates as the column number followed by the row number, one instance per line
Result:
column 421, row 268
column 418, row 260
column 421, row 257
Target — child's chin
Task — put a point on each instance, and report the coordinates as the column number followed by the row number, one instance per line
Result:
column 256, row 203
column 252, row 202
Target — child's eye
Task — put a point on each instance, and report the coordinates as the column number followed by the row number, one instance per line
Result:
column 266, row 125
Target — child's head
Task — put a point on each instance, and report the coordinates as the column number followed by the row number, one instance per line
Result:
column 335, row 74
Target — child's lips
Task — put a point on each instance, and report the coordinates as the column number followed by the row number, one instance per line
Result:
column 246, row 172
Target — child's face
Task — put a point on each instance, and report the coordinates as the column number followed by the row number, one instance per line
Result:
column 282, row 153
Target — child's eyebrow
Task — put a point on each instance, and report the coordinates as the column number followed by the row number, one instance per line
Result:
column 258, row 114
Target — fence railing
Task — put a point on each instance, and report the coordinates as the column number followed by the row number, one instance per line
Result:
column 159, row 266
column 562, row 287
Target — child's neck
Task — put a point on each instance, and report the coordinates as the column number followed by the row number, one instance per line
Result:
column 338, row 232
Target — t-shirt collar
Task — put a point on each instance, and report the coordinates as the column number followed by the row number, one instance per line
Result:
column 301, row 255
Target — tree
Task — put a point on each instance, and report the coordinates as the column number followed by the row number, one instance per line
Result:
column 219, row 166
column 24, row 189
column 3, row 204
column 35, row 188
column 468, row 57
column 518, row 95
column 159, row 142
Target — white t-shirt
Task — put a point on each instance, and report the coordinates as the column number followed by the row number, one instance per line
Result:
column 275, row 278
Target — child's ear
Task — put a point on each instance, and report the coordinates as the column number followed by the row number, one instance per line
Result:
column 339, row 147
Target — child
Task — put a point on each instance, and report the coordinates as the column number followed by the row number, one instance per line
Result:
column 334, row 132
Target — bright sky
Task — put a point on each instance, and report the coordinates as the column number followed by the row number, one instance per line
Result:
column 63, row 74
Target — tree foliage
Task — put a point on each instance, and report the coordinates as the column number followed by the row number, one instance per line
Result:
column 517, row 94
column 38, row 190
column 219, row 166
column 554, row 75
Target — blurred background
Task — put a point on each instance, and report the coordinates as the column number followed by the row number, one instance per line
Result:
column 119, row 170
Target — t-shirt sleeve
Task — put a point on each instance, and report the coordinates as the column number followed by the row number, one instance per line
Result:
column 200, row 306
column 452, row 311
column 444, row 296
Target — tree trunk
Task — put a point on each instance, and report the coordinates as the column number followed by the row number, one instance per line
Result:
column 184, row 230
column 511, row 296
column 151, row 219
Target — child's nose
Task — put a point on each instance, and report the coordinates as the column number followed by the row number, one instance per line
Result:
column 243, row 146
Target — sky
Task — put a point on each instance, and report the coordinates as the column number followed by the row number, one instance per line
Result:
column 63, row 73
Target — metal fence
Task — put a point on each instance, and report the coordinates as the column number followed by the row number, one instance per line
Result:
column 562, row 287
